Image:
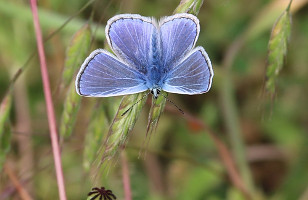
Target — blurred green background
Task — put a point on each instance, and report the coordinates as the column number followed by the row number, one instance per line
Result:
column 266, row 134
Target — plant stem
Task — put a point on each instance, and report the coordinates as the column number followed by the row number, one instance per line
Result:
column 232, row 123
column 49, row 103
column 125, row 175
column 23, row 194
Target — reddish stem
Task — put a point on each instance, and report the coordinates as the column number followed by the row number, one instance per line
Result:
column 49, row 103
column 125, row 175
column 23, row 194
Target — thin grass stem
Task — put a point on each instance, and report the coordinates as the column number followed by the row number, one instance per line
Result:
column 49, row 103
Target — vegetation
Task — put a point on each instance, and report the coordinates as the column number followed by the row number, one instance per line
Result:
column 244, row 139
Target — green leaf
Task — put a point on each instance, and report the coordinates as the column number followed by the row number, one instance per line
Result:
column 5, row 132
column 277, row 48
column 70, row 111
column 76, row 53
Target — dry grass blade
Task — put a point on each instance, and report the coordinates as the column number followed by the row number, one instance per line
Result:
column 75, row 53
column 70, row 111
column 277, row 48
column 5, row 133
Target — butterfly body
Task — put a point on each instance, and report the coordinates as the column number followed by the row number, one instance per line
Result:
column 155, row 71
column 149, row 55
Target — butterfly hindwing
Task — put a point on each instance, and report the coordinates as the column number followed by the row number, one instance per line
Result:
column 193, row 75
column 103, row 75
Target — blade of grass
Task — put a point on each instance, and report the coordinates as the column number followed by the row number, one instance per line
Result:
column 5, row 132
column 231, row 118
column 277, row 49
column 189, row 6
column 156, row 110
column 123, row 124
column 70, row 111
column 49, row 102
column 75, row 53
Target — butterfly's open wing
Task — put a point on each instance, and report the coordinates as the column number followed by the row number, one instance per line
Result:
column 178, row 34
column 103, row 75
column 130, row 37
column 193, row 75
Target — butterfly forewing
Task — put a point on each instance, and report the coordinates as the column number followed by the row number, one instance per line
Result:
column 129, row 36
column 193, row 75
column 103, row 75
column 178, row 34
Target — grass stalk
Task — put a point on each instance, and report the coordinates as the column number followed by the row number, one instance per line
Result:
column 125, row 177
column 232, row 123
column 49, row 103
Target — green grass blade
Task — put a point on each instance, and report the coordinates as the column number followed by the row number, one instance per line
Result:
column 70, row 111
column 277, row 48
column 76, row 53
column 5, row 133
column 156, row 110
column 123, row 124
column 189, row 6
column 94, row 137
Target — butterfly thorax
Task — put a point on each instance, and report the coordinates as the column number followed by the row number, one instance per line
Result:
column 154, row 82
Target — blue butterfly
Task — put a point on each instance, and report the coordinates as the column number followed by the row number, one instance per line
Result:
column 150, row 55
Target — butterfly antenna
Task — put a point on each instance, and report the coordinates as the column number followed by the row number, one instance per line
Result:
column 135, row 103
column 174, row 104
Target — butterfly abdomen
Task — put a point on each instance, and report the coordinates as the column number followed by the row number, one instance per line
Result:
column 154, row 74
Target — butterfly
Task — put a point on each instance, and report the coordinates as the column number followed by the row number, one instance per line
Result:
column 149, row 55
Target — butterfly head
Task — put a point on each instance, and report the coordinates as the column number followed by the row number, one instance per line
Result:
column 155, row 91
